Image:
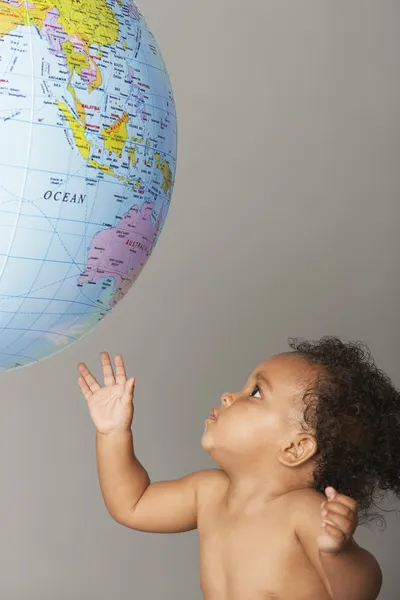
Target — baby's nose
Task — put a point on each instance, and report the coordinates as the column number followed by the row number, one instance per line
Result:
column 226, row 399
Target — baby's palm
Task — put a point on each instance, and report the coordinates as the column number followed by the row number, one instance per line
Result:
column 111, row 406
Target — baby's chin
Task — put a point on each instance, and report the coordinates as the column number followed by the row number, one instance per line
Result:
column 207, row 440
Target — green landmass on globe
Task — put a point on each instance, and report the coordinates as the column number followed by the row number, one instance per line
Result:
column 88, row 145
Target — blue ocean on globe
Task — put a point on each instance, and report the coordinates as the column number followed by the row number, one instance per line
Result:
column 88, row 146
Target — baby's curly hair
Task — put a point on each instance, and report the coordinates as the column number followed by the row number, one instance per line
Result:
column 353, row 409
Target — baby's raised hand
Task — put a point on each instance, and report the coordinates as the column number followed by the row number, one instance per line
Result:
column 339, row 521
column 111, row 406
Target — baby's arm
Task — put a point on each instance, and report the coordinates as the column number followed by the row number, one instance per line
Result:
column 351, row 574
column 130, row 497
column 159, row 507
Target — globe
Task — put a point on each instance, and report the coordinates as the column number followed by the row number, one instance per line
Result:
column 88, row 143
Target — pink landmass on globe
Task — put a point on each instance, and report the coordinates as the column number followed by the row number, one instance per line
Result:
column 53, row 31
column 56, row 36
column 122, row 251
column 88, row 75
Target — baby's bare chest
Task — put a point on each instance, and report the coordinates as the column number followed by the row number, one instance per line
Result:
column 254, row 558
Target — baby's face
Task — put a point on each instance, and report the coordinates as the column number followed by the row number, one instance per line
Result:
column 254, row 423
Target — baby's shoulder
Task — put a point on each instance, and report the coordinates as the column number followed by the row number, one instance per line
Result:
column 306, row 496
column 304, row 505
column 212, row 485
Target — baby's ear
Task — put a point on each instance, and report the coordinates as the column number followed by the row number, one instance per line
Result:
column 298, row 451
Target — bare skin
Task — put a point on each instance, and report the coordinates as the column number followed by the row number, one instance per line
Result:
column 263, row 532
column 255, row 555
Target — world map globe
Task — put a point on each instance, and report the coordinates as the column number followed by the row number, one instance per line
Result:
column 88, row 145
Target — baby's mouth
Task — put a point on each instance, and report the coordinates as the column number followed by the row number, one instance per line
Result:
column 212, row 416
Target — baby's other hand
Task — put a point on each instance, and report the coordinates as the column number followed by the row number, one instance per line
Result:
column 111, row 406
column 339, row 521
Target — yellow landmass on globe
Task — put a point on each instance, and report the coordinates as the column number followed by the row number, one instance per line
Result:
column 134, row 184
column 93, row 21
column 10, row 18
column 105, row 169
column 116, row 135
column 132, row 155
column 78, row 130
column 96, row 82
column 36, row 14
column 109, row 171
column 166, row 171
column 80, row 109
column 13, row 16
column 75, row 60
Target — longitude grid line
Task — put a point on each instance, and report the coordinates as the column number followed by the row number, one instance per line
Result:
column 148, row 75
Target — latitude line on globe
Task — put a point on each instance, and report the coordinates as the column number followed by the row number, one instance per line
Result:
column 92, row 134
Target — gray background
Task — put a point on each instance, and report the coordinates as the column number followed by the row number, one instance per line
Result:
column 283, row 223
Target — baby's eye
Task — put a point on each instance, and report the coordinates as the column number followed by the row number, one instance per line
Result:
column 255, row 392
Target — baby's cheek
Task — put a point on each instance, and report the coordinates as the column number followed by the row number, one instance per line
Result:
column 274, row 423
column 237, row 428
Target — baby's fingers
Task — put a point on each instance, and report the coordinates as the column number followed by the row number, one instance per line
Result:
column 120, row 369
column 108, row 371
column 340, row 509
column 333, row 495
column 84, row 388
column 344, row 524
column 335, row 533
column 90, row 381
column 127, row 397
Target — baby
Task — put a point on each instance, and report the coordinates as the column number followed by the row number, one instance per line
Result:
column 302, row 450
